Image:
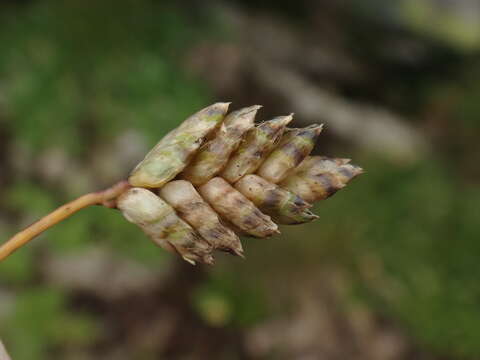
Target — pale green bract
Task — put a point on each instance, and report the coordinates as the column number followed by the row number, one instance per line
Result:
column 172, row 154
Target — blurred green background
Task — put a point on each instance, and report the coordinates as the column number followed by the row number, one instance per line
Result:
column 389, row 271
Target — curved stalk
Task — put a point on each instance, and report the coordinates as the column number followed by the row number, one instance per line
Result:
column 105, row 198
column 3, row 352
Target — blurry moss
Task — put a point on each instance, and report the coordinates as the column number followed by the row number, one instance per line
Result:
column 41, row 322
column 31, row 200
column 214, row 308
column 127, row 239
column 75, row 329
column 17, row 269
column 224, row 300
column 463, row 95
column 409, row 236
column 28, row 197
column 66, row 71
column 444, row 22
column 73, row 233
column 416, row 246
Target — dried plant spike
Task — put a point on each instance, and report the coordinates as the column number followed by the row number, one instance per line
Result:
column 283, row 206
column 294, row 147
column 190, row 206
column 214, row 155
column 235, row 207
column 160, row 222
column 237, row 177
column 319, row 177
column 171, row 155
column 258, row 143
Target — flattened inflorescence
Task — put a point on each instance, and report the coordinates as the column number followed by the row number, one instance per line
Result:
column 217, row 175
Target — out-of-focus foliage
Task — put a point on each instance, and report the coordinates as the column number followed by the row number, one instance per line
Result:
column 87, row 87
column 68, row 68
column 42, row 320
column 225, row 300
column 416, row 245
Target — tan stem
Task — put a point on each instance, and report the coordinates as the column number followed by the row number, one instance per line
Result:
column 104, row 197
column 3, row 352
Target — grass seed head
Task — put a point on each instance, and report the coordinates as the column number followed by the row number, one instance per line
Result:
column 202, row 211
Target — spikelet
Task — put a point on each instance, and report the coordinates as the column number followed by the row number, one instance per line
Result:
column 194, row 210
column 319, row 177
column 160, row 222
column 217, row 194
column 213, row 156
column 235, row 207
column 283, row 206
column 171, row 155
column 294, row 146
column 257, row 145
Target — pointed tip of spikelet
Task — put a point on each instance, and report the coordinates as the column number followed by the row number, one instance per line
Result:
column 219, row 107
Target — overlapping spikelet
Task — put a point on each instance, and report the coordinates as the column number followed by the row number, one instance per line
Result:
column 234, row 206
column 160, row 222
column 213, row 156
column 172, row 154
column 319, row 177
column 257, row 145
column 294, row 146
column 233, row 177
column 283, row 206
column 193, row 209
